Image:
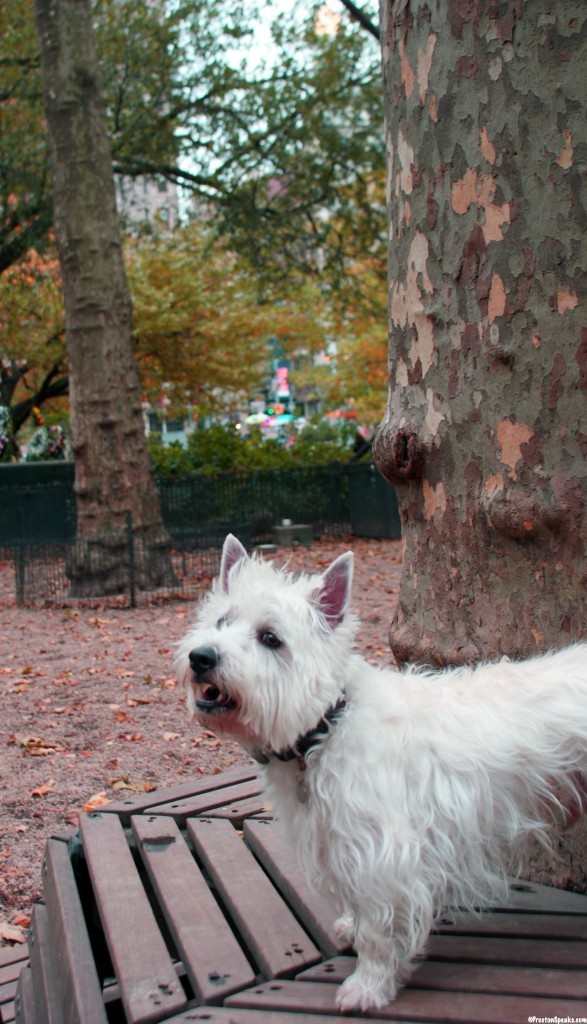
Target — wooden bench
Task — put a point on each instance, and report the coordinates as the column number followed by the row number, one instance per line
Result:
column 186, row 905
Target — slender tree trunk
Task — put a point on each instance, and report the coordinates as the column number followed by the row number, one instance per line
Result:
column 113, row 475
column 485, row 431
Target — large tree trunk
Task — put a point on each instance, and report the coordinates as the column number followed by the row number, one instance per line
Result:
column 485, row 435
column 113, row 475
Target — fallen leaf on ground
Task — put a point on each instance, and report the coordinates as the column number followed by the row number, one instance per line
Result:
column 47, row 787
column 11, row 932
column 20, row 920
column 96, row 801
column 32, row 745
column 134, row 787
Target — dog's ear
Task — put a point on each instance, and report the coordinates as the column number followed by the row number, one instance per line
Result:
column 232, row 553
column 335, row 590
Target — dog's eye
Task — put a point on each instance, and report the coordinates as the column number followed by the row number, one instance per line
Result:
column 269, row 639
column 221, row 622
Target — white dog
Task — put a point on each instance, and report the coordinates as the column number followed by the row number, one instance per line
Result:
column 402, row 793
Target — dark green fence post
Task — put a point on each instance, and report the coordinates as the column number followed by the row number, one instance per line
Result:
column 131, row 560
column 20, row 570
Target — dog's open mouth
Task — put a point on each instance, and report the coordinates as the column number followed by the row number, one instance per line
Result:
column 213, row 700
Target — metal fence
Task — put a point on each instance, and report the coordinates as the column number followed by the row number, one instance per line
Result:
column 122, row 571
column 42, row 561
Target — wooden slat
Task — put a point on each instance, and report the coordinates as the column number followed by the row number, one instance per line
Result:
column 221, row 1015
column 530, row 926
column 526, row 952
column 8, row 992
column 12, row 961
column 195, row 787
column 240, row 810
column 266, row 841
column 25, row 1009
column 533, row 897
column 411, row 1004
column 43, row 971
column 206, row 802
column 276, row 941
column 8, row 1013
column 12, row 955
column 148, row 982
column 430, row 974
column 212, row 957
column 81, row 992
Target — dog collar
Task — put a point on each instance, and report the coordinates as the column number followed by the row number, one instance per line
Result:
column 304, row 743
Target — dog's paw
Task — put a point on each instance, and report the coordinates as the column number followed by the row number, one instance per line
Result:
column 344, row 928
column 357, row 994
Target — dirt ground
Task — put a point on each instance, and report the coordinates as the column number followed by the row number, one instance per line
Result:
column 91, row 709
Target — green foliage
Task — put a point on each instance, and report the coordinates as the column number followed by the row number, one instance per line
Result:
column 314, row 196
column 222, row 449
column 289, row 154
column 48, row 444
column 198, row 322
column 8, row 446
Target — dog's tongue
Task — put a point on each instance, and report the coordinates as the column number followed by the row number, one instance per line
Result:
column 213, row 699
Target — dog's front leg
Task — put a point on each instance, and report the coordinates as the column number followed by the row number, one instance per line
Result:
column 373, row 983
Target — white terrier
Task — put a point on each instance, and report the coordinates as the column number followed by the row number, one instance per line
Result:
column 402, row 793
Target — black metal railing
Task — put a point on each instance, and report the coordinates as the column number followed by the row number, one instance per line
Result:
column 45, row 560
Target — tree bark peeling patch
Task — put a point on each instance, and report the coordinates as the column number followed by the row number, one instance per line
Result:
column 434, row 498
column 563, row 301
column 405, row 152
column 486, row 146
column 510, row 438
column 581, row 359
column 555, row 381
column 565, row 157
column 497, row 298
column 467, row 67
column 406, row 71
column 475, row 189
column 424, row 65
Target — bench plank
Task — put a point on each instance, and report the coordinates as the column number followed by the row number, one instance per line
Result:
column 240, row 810
column 533, row 897
column 180, row 810
column 530, row 926
column 148, row 983
column 25, row 1008
column 12, row 955
column 525, row 952
column 411, row 1004
column 277, row 942
column 221, row 1015
column 213, row 959
column 267, row 843
column 43, row 973
column 140, row 804
column 12, row 960
column 81, row 992
column 450, row 976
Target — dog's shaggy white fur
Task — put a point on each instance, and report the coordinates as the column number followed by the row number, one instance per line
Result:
column 413, row 795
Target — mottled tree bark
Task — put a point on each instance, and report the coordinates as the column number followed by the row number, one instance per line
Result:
column 113, row 475
column 485, row 432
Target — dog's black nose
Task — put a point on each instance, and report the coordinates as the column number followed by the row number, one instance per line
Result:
column 202, row 659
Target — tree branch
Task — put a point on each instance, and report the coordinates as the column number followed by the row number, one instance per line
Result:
column 53, row 386
column 364, row 21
